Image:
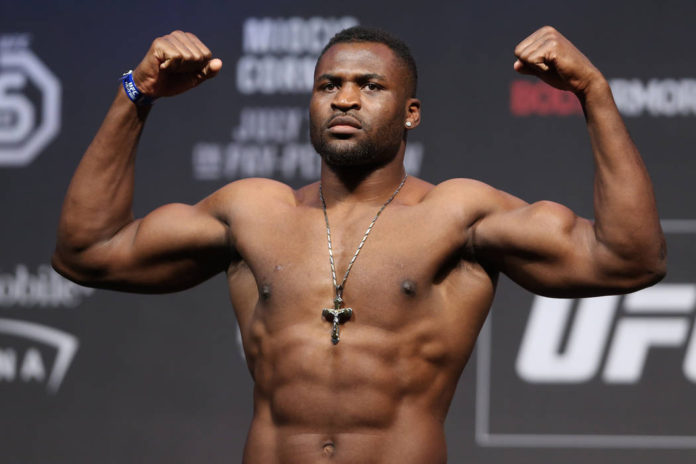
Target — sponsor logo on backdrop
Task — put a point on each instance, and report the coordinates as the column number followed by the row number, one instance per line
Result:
column 657, row 317
column 42, row 288
column 30, row 99
column 32, row 353
column 277, row 59
column 594, row 372
column 536, row 98
column 634, row 97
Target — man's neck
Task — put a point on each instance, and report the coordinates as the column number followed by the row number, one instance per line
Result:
column 359, row 184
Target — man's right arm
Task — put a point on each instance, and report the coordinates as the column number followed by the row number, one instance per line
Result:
column 174, row 247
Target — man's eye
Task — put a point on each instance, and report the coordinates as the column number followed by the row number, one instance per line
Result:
column 329, row 86
column 371, row 86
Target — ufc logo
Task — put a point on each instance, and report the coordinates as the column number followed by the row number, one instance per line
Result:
column 656, row 317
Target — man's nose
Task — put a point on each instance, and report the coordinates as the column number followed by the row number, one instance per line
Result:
column 347, row 98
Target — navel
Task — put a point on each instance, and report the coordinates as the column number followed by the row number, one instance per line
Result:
column 408, row 287
column 328, row 449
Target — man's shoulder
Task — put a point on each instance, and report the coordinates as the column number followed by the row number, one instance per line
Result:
column 470, row 199
column 461, row 189
column 246, row 197
column 255, row 189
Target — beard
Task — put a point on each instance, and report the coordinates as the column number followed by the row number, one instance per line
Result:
column 367, row 151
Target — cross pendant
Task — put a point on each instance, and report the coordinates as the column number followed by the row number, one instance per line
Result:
column 337, row 316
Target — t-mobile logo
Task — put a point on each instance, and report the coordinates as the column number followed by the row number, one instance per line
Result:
column 555, row 349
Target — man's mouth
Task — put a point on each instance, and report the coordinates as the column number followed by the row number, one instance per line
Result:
column 344, row 125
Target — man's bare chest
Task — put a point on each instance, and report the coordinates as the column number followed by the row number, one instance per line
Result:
column 293, row 245
column 412, row 285
column 408, row 253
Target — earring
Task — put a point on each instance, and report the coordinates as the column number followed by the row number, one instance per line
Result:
column 409, row 123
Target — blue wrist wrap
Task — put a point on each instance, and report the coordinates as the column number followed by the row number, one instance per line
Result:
column 133, row 93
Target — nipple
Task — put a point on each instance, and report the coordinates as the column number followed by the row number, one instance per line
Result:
column 408, row 287
column 265, row 292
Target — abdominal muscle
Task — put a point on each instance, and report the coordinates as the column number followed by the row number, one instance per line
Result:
column 379, row 396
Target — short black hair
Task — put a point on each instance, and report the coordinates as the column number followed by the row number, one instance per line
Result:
column 369, row 34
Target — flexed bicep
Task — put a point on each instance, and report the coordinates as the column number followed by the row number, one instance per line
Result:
column 174, row 247
column 99, row 242
column 549, row 250
column 546, row 247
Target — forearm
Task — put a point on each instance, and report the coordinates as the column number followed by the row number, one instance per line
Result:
column 626, row 218
column 99, row 199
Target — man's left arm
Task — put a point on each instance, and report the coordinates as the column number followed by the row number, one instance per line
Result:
column 544, row 246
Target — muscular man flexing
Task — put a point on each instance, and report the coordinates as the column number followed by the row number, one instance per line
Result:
column 373, row 386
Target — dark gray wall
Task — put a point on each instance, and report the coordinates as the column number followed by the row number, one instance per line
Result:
column 97, row 376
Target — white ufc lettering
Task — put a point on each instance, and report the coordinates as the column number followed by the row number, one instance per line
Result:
column 543, row 359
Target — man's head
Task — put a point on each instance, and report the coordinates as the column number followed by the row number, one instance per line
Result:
column 357, row 34
column 363, row 98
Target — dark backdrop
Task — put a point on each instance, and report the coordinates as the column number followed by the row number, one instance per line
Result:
column 96, row 376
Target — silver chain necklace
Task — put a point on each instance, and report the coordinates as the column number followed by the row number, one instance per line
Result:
column 338, row 315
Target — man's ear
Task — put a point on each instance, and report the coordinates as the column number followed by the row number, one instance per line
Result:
column 413, row 113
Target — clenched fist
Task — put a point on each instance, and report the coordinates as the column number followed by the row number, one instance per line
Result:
column 174, row 64
column 555, row 60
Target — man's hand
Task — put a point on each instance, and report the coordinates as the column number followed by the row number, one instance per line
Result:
column 555, row 60
column 174, row 64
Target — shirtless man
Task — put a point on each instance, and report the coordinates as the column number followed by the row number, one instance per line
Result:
column 420, row 288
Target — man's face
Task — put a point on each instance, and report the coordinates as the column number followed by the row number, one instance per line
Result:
column 359, row 104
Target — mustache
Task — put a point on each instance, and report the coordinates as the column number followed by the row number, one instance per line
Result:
column 342, row 114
